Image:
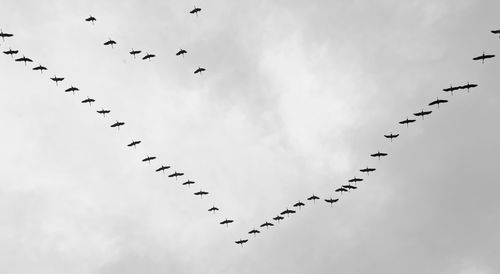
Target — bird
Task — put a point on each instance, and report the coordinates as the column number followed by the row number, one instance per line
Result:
column 201, row 193
column 468, row 86
column 483, row 57
column 287, row 212
column 40, row 68
column 422, row 113
column 266, row 224
column 88, row 100
column 134, row 52
column 11, row 52
column 195, row 10
column 24, row 59
column 213, row 208
column 437, row 102
column 149, row 159
column 341, row 190
column 451, row 89
column 496, row 32
column 5, row 35
column 175, row 174
column 331, row 201
column 110, row 43
column 299, row 204
column 118, row 124
column 72, row 89
column 162, row 168
column 57, row 79
column 254, row 232
column 188, row 183
column 367, row 170
column 104, row 112
column 241, row 242
column 278, row 218
column 378, row 154
column 199, row 70
column 349, row 187
column 181, row 52
column 391, row 136
column 355, row 180
column 407, row 121
column 91, row 19
column 313, row 198
column 134, row 143
column 226, row 222
column 148, row 56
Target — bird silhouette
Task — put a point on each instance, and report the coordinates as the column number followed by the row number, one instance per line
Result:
column 483, row 57
column 57, row 79
column 213, row 209
column 199, row 70
column 468, row 86
column 149, row 159
column 162, row 168
column 195, row 10
column 118, row 125
column 72, row 89
column 241, row 242
column 254, row 232
column 5, row 35
column 407, row 121
column 24, row 59
column 175, row 174
column 40, row 68
column 299, row 204
column 331, row 201
column 134, row 143
column 391, row 136
column 11, row 52
column 91, row 19
column 110, row 43
column 181, row 52
column 135, row 52
column 201, row 193
column 437, row 102
column 88, row 100
column 378, row 154
column 422, row 113
column 226, row 222
column 313, row 198
column 367, row 170
column 148, row 56
column 188, row 183
column 266, row 224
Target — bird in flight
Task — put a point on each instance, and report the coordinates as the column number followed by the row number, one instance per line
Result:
column 195, row 10
column 355, row 180
column 201, row 193
column 5, row 35
column 149, row 159
column 91, row 19
column 226, row 222
column 199, row 70
column 278, row 218
column 110, row 43
column 162, row 168
column 40, row 68
column 135, row 52
column 104, row 112
column 407, row 121
column 72, row 89
column 391, row 136
column 118, row 125
column 451, row 89
column 175, row 174
column 241, row 242
column 287, row 212
column 331, row 201
column 299, row 204
column 188, row 183
column 468, row 86
column 24, row 59
column 496, row 32
column 148, row 56
column 11, row 52
column 367, row 170
column 267, row 224
column 341, row 190
column 57, row 79
column 437, row 102
column 213, row 209
column 134, row 143
column 378, row 154
column 181, row 52
column 422, row 113
column 254, row 232
column 313, row 198
column 88, row 100
column 483, row 57
column 349, row 187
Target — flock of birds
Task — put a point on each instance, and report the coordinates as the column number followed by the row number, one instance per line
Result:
column 349, row 186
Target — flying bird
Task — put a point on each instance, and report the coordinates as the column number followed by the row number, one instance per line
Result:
column 11, row 52
column 135, row 52
column 195, row 10
column 391, row 136
column 201, row 193
column 407, row 121
column 199, row 70
column 451, row 89
column 254, row 232
column 188, row 183
column 134, row 143
column 181, row 52
column 378, row 154
column 483, row 57
column 148, row 56
column 349, row 187
column 367, row 170
column 341, row 190
column 241, row 242
column 437, row 102
column 162, row 168
column 57, row 79
column 355, row 180
column 278, row 218
column 104, row 112
column 72, row 89
column 149, row 159
column 267, row 224
column 468, row 86
column 118, row 125
column 88, row 100
column 496, row 32
column 226, row 222
column 288, row 212
column 313, row 198
column 40, row 68
column 299, row 204
column 24, row 59
column 91, row 19
column 110, row 43
column 213, row 208
column 422, row 113
column 5, row 35
column 331, row 201
column 175, row 174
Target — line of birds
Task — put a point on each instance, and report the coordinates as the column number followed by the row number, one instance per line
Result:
column 214, row 209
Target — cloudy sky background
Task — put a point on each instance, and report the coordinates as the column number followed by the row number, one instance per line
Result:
column 296, row 96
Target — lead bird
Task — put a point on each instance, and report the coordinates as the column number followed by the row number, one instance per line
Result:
column 24, row 59
column 72, row 89
column 148, row 56
column 11, row 52
column 175, row 174
column 438, row 102
column 199, row 70
column 422, row 113
column 407, row 121
column 149, row 159
column 118, row 125
column 5, row 35
column 40, row 68
column 162, row 168
column 483, row 57
column 110, row 43
column 88, row 100
column 201, row 193
column 135, row 52
column 367, row 170
column 104, row 112
column 91, row 19
column 241, row 242
column 331, row 201
column 57, row 79
column 134, row 143
column 181, row 52
column 226, row 222
column 379, row 154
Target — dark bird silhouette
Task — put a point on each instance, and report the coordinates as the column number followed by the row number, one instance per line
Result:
column 110, row 43
column 451, row 89
column 201, row 193
column 148, row 56
column 341, row 190
column 57, row 79
column 40, row 68
column 134, row 143
column 483, row 57
column 367, row 170
column 407, row 122
column 88, row 100
column 175, row 174
column 278, row 218
column 331, row 201
column 24, row 59
column 162, row 168
column 91, row 19
column 287, row 212
column 254, row 232
column 299, row 204
column 72, row 89
column 422, row 113
column 118, row 125
column 496, row 32
column 378, row 154
column 104, row 112
column 241, row 242
column 267, row 224
column 313, row 198
column 468, row 86
column 149, row 159
column 188, row 183
column 195, row 10
column 391, row 136
column 11, row 52
column 5, row 35
column 135, row 52
column 181, row 52
column 199, row 70
column 355, row 180
column 437, row 102
column 349, row 187
column 213, row 209
column 226, row 222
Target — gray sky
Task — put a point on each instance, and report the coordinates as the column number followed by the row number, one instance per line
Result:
column 296, row 96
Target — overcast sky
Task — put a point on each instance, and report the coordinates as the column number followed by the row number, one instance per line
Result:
column 296, row 96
